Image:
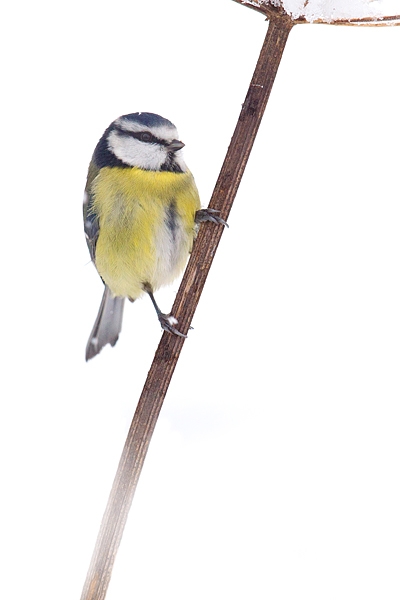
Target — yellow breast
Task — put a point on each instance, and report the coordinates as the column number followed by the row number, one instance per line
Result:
column 147, row 227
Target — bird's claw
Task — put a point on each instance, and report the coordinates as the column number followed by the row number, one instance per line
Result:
column 210, row 214
column 167, row 323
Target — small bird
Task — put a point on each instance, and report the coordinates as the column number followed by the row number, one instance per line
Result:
column 141, row 215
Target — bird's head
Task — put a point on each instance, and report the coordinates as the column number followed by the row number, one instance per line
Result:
column 143, row 140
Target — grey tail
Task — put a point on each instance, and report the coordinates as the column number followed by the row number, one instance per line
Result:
column 107, row 326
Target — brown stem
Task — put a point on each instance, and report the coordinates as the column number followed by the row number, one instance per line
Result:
column 168, row 351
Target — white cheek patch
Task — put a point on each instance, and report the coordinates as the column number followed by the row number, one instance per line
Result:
column 135, row 153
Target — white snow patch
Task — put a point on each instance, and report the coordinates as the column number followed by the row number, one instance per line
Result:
column 334, row 10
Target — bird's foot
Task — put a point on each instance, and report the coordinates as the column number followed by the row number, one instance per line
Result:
column 210, row 214
column 167, row 322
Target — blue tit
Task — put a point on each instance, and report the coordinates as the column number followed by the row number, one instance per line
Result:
column 141, row 213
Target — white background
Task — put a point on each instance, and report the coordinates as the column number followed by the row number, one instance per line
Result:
column 273, row 471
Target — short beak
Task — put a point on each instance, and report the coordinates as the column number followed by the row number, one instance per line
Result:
column 175, row 145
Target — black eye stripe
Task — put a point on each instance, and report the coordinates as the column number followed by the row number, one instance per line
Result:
column 149, row 137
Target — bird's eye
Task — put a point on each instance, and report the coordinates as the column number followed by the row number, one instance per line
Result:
column 145, row 137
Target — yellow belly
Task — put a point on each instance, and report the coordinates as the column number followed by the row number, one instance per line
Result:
column 147, row 227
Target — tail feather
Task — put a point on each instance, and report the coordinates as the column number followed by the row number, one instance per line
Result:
column 107, row 326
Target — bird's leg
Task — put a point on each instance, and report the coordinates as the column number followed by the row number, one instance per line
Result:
column 209, row 214
column 167, row 322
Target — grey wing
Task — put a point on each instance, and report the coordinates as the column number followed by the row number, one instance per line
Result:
column 108, row 322
column 90, row 218
column 91, row 225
